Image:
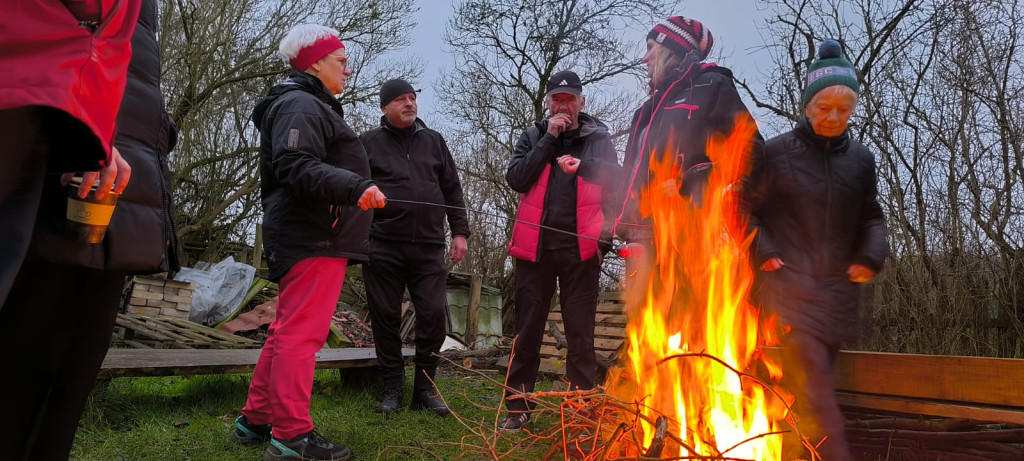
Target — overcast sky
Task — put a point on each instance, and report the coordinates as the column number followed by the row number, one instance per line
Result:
column 734, row 24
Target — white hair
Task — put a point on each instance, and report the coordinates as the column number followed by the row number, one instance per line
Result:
column 300, row 37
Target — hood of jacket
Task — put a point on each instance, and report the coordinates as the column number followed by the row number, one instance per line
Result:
column 296, row 81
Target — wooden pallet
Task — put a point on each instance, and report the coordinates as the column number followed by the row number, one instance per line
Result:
column 609, row 331
column 144, row 332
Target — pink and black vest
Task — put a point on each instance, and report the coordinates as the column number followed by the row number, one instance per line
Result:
column 589, row 219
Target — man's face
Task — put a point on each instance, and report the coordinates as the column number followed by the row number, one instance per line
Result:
column 333, row 70
column 830, row 109
column 401, row 111
column 566, row 103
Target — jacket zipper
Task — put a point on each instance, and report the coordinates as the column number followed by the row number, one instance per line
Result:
column 828, row 198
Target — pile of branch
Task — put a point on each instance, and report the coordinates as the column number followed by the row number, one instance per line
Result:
column 947, row 439
column 586, row 425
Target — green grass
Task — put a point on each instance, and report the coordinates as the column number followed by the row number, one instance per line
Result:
column 189, row 418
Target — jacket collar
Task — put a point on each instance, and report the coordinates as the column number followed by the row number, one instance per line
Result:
column 822, row 143
column 417, row 126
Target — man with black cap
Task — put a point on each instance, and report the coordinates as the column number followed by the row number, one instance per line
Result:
column 564, row 168
column 410, row 162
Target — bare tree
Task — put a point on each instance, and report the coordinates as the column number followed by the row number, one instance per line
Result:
column 505, row 52
column 219, row 58
column 941, row 108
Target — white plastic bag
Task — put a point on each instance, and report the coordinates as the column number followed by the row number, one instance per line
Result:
column 219, row 289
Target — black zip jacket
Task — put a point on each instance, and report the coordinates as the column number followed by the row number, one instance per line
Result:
column 142, row 236
column 313, row 171
column 678, row 120
column 414, row 164
column 813, row 203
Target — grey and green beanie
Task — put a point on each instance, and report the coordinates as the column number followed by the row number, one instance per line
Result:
column 831, row 68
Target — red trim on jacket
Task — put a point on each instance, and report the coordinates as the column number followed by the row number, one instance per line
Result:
column 526, row 230
column 53, row 59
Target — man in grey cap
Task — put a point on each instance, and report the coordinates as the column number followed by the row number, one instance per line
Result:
column 410, row 162
column 565, row 169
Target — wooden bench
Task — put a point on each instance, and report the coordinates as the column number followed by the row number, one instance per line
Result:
column 174, row 362
column 977, row 388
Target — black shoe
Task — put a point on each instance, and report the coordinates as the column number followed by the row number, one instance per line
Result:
column 427, row 399
column 392, row 400
column 310, row 445
column 514, row 422
column 248, row 433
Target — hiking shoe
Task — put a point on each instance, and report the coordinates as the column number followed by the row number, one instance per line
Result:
column 427, row 399
column 248, row 433
column 392, row 400
column 514, row 422
column 310, row 445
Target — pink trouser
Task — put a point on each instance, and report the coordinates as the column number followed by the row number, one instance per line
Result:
column 283, row 380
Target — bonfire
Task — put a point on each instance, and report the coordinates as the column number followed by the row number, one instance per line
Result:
column 693, row 340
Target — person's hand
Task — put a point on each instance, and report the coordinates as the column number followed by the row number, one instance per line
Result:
column 772, row 265
column 860, row 274
column 670, row 187
column 569, row 164
column 631, row 250
column 116, row 174
column 558, row 123
column 459, row 248
column 372, row 198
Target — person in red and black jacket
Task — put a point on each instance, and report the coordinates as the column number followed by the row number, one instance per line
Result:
column 62, row 306
column 63, row 70
column 565, row 169
column 407, row 242
column 690, row 101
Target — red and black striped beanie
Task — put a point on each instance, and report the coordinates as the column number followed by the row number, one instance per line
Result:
column 682, row 36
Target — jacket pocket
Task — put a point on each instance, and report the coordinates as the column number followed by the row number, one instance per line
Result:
column 690, row 108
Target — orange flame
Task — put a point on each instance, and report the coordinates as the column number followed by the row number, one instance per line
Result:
column 691, row 321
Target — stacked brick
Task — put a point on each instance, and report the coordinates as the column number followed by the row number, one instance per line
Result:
column 159, row 297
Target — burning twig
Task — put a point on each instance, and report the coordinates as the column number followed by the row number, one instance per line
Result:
column 658, row 444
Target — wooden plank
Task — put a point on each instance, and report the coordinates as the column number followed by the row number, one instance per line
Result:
column 977, row 380
column 1011, row 415
column 174, row 362
column 475, row 286
column 607, row 319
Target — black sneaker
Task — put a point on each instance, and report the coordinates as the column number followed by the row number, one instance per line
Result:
column 310, row 445
column 248, row 433
column 392, row 400
column 427, row 399
column 514, row 422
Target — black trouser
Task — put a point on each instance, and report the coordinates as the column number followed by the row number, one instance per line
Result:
column 23, row 170
column 535, row 284
column 54, row 332
column 808, row 369
column 393, row 267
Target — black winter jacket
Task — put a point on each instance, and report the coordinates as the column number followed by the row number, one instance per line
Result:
column 313, row 171
column 414, row 164
column 678, row 119
column 598, row 164
column 142, row 237
column 813, row 204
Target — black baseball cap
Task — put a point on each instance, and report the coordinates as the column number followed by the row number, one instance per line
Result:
column 565, row 81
